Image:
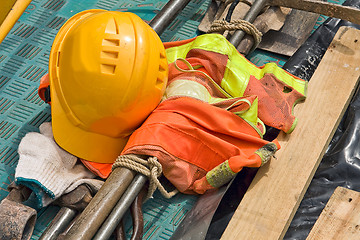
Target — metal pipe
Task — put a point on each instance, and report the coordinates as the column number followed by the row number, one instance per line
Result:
column 101, row 205
column 17, row 221
column 121, row 207
column 167, row 14
column 250, row 16
column 137, row 215
column 62, row 236
column 58, row 224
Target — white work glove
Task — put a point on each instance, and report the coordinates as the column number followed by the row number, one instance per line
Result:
column 47, row 169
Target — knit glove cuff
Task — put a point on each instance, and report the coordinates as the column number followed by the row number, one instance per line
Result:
column 48, row 170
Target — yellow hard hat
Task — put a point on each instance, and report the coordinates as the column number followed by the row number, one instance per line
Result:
column 108, row 71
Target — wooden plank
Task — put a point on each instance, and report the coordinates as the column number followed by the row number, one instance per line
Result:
column 271, row 201
column 340, row 218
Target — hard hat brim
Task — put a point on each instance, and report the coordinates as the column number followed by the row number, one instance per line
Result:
column 99, row 148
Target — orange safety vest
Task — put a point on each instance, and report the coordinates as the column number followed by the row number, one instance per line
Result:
column 231, row 75
column 199, row 146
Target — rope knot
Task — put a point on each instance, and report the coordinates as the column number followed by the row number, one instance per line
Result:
column 150, row 168
column 155, row 167
column 249, row 28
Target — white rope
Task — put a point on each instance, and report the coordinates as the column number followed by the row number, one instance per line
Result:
column 150, row 168
column 249, row 28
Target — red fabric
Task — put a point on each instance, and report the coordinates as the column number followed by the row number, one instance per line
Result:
column 190, row 137
column 44, row 83
column 102, row 170
column 276, row 100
